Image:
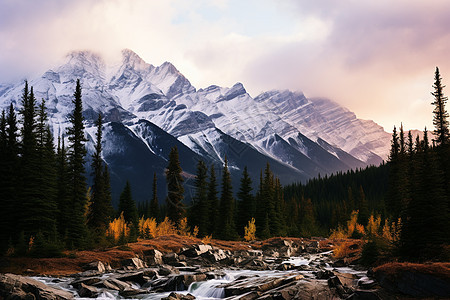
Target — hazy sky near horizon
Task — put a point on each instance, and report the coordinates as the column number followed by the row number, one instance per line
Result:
column 376, row 58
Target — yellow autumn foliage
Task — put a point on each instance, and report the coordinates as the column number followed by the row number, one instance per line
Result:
column 147, row 227
column 250, row 230
column 207, row 239
column 166, row 227
column 183, row 228
column 117, row 228
column 351, row 224
column 373, row 225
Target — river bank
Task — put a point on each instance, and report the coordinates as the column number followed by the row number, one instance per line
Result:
column 175, row 267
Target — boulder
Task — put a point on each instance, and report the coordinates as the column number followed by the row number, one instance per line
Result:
column 129, row 292
column 88, row 291
column 176, row 296
column 140, row 277
column 134, row 263
column 118, row 283
column 214, row 255
column 11, row 284
column 96, row 266
column 301, row 290
column 88, row 273
column 170, row 258
column 323, row 274
column 87, row 281
column 153, row 257
column 165, row 270
column 245, row 285
column 196, row 250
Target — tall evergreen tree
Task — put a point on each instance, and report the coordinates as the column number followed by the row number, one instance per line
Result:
column 9, row 164
column 262, row 206
column 46, row 180
column 227, row 227
column 154, row 203
column 213, row 203
column 278, row 221
column 200, row 206
column 127, row 206
column 29, row 197
column 77, row 229
column 440, row 119
column 175, row 189
column 100, row 207
column 63, row 188
column 441, row 131
column 246, row 203
column 4, row 219
column 107, row 190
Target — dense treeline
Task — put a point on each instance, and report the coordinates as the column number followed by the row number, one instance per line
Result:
column 419, row 187
column 46, row 206
column 334, row 197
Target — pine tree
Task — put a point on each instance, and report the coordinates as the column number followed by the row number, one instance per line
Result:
column 4, row 219
column 363, row 208
column 227, row 227
column 107, row 191
column 262, row 207
column 213, row 203
column 100, row 208
column 246, row 203
column 200, row 206
column 127, row 206
column 278, row 221
column 154, row 203
column 9, row 176
column 29, row 199
column 441, row 131
column 308, row 226
column 440, row 119
column 175, row 189
column 77, row 229
column 62, row 187
column 46, row 180
column 395, row 192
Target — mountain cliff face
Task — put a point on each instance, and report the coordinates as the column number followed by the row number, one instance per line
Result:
column 150, row 109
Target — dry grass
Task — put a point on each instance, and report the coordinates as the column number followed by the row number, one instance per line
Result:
column 439, row 269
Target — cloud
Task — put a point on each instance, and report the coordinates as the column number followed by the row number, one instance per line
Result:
column 376, row 58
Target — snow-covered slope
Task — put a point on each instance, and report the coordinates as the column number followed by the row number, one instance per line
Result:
column 156, row 107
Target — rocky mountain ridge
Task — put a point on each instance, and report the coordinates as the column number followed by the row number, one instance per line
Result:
column 149, row 109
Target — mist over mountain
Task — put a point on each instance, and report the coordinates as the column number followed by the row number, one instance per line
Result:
column 149, row 109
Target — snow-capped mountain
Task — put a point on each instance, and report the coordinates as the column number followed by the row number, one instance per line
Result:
column 150, row 109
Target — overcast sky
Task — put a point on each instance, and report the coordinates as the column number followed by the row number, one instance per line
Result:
column 376, row 58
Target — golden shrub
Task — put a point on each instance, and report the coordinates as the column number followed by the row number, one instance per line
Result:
column 118, row 227
column 250, row 230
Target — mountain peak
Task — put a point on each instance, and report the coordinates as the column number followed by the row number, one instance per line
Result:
column 169, row 68
column 133, row 60
column 236, row 90
column 85, row 57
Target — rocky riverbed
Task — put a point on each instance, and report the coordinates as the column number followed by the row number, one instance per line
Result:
column 281, row 269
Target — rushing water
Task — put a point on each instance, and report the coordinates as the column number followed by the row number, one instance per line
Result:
column 204, row 290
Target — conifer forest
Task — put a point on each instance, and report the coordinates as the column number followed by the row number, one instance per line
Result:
column 401, row 207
